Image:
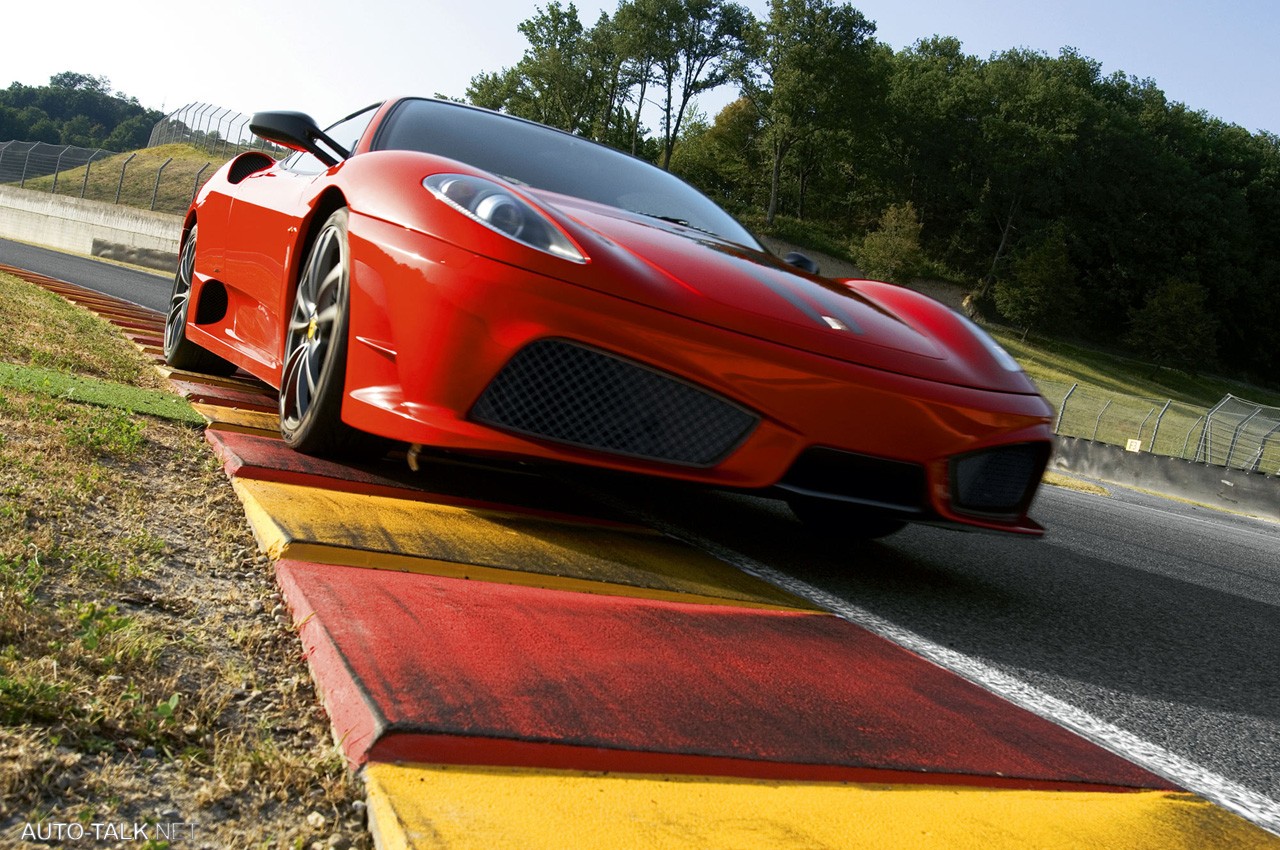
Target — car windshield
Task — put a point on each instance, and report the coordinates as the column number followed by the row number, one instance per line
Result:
column 538, row 156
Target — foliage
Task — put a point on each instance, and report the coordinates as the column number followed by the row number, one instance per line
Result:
column 892, row 252
column 75, row 109
column 810, row 68
column 1173, row 325
column 698, row 45
column 591, row 81
column 1040, row 284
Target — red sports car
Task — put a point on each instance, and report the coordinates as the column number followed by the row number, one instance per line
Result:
column 452, row 277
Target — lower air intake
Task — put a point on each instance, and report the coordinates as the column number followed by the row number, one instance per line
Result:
column 571, row 394
column 850, row 477
column 998, row 482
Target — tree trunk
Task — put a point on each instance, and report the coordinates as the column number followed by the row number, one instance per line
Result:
column 985, row 284
column 775, row 182
column 635, row 125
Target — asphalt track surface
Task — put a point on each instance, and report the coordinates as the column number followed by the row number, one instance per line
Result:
column 1151, row 625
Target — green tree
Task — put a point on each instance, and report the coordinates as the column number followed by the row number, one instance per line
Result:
column 79, row 132
column 892, row 251
column 554, row 82
column 699, row 49
column 933, row 105
column 129, row 135
column 74, row 108
column 723, row 158
column 1174, row 326
column 1040, row 284
column 809, row 68
column 80, row 82
column 1029, row 136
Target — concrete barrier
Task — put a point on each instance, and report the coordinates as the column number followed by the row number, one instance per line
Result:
column 90, row 227
column 1231, row 489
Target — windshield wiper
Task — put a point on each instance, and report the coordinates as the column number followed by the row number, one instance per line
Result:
column 680, row 221
column 672, row 219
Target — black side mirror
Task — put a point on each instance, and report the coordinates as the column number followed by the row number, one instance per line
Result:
column 298, row 132
column 801, row 261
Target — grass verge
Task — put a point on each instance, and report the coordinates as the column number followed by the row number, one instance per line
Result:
column 147, row 672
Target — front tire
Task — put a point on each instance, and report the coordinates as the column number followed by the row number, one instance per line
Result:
column 180, row 352
column 315, row 352
column 838, row 520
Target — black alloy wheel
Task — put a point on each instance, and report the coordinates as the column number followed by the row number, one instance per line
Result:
column 180, row 352
column 315, row 350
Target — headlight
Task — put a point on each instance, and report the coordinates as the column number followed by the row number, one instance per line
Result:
column 502, row 212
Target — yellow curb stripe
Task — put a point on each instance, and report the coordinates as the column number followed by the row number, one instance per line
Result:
column 238, row 419
column 319, row 554
column 468, row 808
column 307, row 523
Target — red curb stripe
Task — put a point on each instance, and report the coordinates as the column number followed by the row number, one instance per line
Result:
column 676, row 681
column 225, row 396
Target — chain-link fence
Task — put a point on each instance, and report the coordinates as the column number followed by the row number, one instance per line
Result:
column 155, row 178
column 1241, row 434
column 1234, row 433
column 23, row 161
column 222, row 132
column 145, row 179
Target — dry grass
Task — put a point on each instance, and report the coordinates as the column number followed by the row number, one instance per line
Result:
column 147, row 672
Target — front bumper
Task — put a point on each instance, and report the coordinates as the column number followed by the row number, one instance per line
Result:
column 433, row 326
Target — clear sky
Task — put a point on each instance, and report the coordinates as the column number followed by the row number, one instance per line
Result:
column 329, row 57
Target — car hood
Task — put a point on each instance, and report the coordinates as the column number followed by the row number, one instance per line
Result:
column 873, row 324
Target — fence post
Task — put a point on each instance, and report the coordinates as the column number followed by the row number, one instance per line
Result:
column 196, row 185
column 1155, row 432
column 57, row 169
column 123, row 166
column 155, row 192
column 1057, row 426
column 193, row 126
column 85, row 185
column 1144, row 424
column 221, row 115
column 1187, row 441
column 1262, row 447
column 203, row 118
column 1235, row 436
column 1098, row 422
column 1202, row 450
column 25, row 163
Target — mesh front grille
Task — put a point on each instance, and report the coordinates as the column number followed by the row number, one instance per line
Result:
column 998, row 482
column 570, row 394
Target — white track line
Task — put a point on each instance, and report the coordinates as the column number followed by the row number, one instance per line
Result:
column 1248, row 804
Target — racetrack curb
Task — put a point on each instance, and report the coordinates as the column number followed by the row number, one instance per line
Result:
column 671, row 704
